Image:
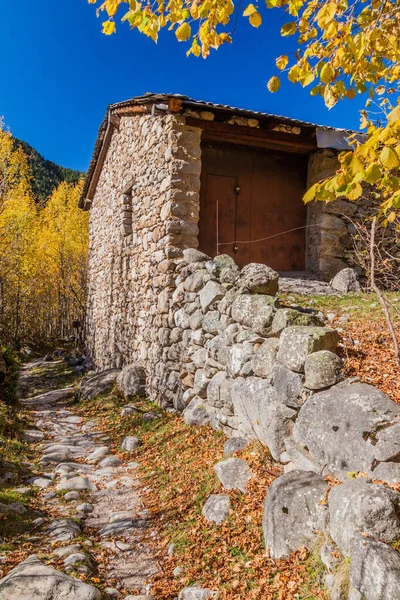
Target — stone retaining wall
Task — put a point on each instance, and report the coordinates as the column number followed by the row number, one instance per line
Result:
column 256, row 369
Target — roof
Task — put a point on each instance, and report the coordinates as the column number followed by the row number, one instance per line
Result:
column 327, row 137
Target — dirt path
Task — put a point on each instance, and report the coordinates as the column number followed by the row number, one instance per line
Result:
column 91, row 495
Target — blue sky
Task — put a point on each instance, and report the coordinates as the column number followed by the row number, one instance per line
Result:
column 59, row 73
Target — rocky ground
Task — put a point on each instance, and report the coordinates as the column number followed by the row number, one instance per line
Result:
column 87, row 507
column 117, row 500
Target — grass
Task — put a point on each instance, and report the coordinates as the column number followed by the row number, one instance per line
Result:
column 358, row 305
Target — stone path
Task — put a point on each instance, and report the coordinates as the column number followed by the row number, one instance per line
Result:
column 100, row 500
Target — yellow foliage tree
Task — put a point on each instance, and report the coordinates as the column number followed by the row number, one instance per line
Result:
column 43, row 254
column 345, row 48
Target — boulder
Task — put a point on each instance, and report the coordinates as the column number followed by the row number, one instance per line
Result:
column 131, row 381
column 374, row 569
column 296, row 343
column 196, row 413
column 210, row 293
column 217, row 508
column 357, row 506
column 255, row 311
column 196, row 593
column 265, row 358
column 293, row 512
column 322, row 369
column 234, row 474
column 346, row 281
column 289, row 317
column 351, row 427
column 101, row 383
column 257, row 278
column 33, row 579
column 260, row 413
column 234, row 444
column 288, row 386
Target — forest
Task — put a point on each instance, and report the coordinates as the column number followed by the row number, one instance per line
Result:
column 43, row 245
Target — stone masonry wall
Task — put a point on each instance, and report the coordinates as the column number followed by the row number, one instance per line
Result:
column 144, row 212
column 331, row 230
column 256, row 369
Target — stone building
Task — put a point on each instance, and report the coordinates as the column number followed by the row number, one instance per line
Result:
column 170, row 173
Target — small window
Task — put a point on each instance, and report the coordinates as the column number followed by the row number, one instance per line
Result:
column 127, row 213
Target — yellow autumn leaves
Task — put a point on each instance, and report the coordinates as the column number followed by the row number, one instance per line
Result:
column 43, row 254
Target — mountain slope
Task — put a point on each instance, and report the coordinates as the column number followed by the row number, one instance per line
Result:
column 46, row 174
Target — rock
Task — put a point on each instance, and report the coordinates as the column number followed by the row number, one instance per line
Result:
column 296, row 343
column 288, row 317
column 200, row 384
column 78, row 483
column 255, row 311
column 42, row 482
column 374, row 569
column 293, row 512
column 219, row 391
column 234, row 444
column 191, row 255
column 49, row 398
column 110, row 461
column 67, row 550
column 70, row 496
column 346, row 281
column 234, row 474
column 33, row 435
column 351, row 427
column 212, row 322
column 210, row 293
column 196, row 413
column 86, row 507
column 300, row 457
column 70, row 467
column 357, row 506
column 128, row 409
column 97, row 455
column 257, row 278
column 129, row 443
column 112, row 592
column 117, row 528
column 131, row 381
column 99, row 384
column 260, row 414
column 217, row 508
column 33, row 579
column 77, row 558
column 289, row 386
column 265, row 358
column 322, row 369
column 238, row 356
column 63, row 530
column 196, row 593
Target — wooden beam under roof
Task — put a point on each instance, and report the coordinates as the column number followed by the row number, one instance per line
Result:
column 256, row 138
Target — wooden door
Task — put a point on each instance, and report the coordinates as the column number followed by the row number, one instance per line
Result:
column 247, row 196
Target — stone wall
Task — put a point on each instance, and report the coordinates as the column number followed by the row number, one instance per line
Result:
column 256, row 369
column 330, row 227
column 144, row 212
